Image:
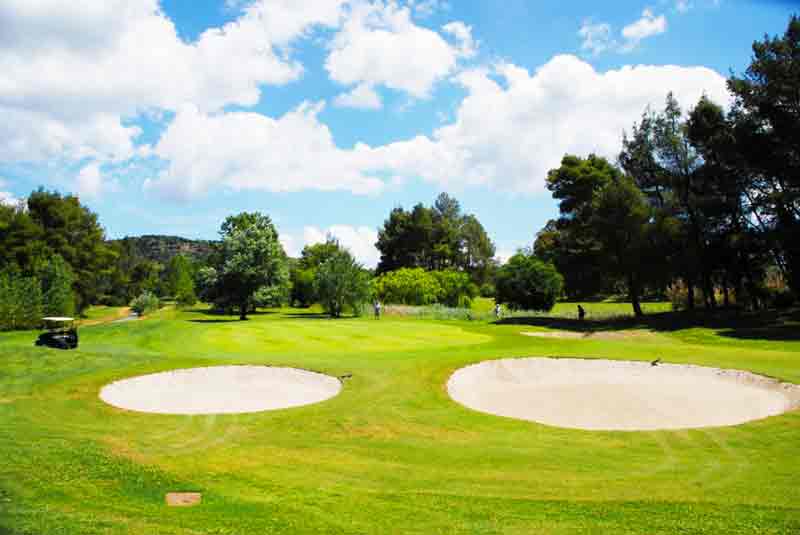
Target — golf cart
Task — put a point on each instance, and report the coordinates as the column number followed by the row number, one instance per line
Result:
column 60, row 333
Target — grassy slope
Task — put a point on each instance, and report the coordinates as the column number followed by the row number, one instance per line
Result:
column 390, row 454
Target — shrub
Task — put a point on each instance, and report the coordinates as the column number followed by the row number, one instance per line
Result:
column 525, row 282
column 456, row 289
column 144, row 304
column 56, row 279
column 408, row 286
column 21, row 301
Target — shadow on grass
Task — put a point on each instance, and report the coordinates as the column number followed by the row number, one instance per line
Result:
column 772, row 325
column 313, row 316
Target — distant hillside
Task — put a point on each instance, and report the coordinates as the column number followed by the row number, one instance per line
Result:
column 163, row 248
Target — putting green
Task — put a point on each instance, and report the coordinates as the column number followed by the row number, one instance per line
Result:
column 392, row 453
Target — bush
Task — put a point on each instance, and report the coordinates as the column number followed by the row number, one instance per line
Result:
column 21, row 302
column 408, row 286
column 525, row 282
column 456, row 289
column 144, row 304
column 57, row 279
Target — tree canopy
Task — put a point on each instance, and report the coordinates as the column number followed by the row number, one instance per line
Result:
column 436, row 238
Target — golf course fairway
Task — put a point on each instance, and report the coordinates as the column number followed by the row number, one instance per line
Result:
column 392, row 452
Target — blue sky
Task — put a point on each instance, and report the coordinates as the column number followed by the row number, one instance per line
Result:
column 167, row 116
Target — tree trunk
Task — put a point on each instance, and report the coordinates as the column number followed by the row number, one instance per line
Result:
column 689, row 293
column 243, row 311
column 633, row 291
column 726, row 298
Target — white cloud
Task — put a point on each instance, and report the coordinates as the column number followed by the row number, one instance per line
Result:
column 426, row 8
column 466, row 45
column 362, row 96
column 243, row 150
column 379, row 45
column 507, row 136
column 596, row 37
column 647, row 26
column 89, row 182
column 71, row 73
column 360, row 241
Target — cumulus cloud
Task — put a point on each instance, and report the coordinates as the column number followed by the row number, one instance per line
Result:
column 646, row 26
column 508, row 135
column 89, row 182
column 73, row 74
column 510, row 129
column 360, row 241
column 362, row 96
column 379, row 45
column 244, row 150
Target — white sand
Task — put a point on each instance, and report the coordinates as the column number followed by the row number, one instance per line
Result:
column 221, row 390
column 619, row 395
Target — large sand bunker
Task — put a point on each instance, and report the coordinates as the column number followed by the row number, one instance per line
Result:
column 221, row 390
column 619, row 395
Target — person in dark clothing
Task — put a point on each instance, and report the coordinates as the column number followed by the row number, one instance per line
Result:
column 581, row 313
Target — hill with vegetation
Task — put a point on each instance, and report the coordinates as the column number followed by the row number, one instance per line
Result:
column 162, row 249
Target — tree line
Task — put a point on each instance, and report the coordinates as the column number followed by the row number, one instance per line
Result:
column 704, row 204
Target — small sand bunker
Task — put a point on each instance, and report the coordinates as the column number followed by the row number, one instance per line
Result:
column 588, row 335
column 221, row 390
column 619, row 395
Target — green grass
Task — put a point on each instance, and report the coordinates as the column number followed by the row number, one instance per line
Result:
column 392, row 453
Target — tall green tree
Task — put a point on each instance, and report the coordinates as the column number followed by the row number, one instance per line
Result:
column 766, row 116
column 72, row 231
column 439, row 237
column 341, row 283
column 570, row 242
column 249, row 258
column 621, row 222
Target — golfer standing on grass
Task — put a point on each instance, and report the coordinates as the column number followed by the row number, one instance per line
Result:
column 497, row 310
column 377, row 310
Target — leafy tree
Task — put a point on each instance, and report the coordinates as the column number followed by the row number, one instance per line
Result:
column 436, row 238
column 304, row 272
column 341, row 282
column 72, row 231
column 527, row 283
column 766, row 119
column 570, row 242
column 621, row 222
column 249, row 258
column 303, row 286
column 21, row 243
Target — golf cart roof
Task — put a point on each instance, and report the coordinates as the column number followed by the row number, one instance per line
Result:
column 58, row 319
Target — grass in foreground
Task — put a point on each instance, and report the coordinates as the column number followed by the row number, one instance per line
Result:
column 392, row 453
